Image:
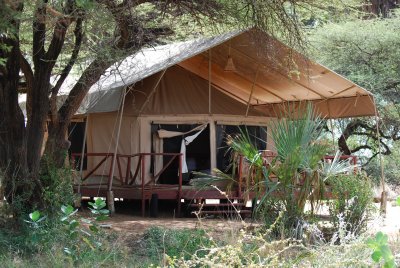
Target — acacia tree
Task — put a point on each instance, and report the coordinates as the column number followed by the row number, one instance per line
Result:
column 367, row 52
column 43, row 38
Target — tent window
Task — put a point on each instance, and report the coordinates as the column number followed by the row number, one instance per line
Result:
column 76, row 133
column 257, row 134
column 197, row 152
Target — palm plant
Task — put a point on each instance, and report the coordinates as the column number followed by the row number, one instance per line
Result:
column 300, row 173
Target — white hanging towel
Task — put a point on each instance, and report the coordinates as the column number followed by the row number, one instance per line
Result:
column 162, row 134
column 185, row 142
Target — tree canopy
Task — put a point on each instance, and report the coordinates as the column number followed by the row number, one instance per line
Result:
column 366, row 51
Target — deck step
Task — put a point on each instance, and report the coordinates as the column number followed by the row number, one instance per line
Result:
column 241, row 211
column 217, row 205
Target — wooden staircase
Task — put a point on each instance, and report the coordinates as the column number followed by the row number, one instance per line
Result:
column 223, row 208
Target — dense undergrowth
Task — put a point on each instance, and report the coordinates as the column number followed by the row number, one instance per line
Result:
column 161, row 247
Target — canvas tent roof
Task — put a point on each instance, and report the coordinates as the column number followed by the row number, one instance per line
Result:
column 262, row 80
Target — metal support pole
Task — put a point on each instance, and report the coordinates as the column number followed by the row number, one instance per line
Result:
column 383, row 194
column 110, row 194
column 79, row 197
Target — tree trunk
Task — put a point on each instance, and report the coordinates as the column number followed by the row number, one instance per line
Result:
column 13, row 150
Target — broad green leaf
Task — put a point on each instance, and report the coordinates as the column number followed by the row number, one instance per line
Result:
column 67, row 209
column 73, row 224
column 386, row 252
column 99, row 201
column 379, row 237
column 376, row 256
column 371, row 243
column 398, row 201
column 390, row 264
column 101, row 218
column 34, row 216
column 104, row 211
column 93, row 228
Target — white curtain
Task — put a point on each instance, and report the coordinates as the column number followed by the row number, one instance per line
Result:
column 165, row 134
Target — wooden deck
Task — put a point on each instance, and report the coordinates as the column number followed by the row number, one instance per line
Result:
column 122, row 184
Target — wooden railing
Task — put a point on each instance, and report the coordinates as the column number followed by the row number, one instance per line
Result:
column 126, row 177
column 268, row 156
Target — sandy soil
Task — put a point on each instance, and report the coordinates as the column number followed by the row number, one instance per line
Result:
column 390, row 224
column 134, row 225
column 137, row 225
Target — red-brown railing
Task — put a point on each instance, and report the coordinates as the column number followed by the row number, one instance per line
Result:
column 268, row 156
column 128, row 179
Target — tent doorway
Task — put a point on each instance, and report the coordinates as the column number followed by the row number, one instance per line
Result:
column 197, row 151
column 76, row 134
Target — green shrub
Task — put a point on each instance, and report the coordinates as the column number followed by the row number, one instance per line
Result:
column 353, row 202
column 57, row 183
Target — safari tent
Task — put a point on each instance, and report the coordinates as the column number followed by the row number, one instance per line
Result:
column 162, row 113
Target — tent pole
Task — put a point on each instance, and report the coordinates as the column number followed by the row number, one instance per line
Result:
column 252, row 90
column 81, row 163
column 152, row 92
column 110, row 194
column 209, row 81
column 384, row 193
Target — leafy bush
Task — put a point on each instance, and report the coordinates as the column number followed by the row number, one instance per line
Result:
column 73, row 239
column 57, row 183
column 353, row 201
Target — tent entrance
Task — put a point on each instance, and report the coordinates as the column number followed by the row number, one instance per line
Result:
column 76, row 135
column 197, row 151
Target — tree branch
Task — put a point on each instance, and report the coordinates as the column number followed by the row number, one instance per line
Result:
column 65, row 72
column 28, row 73
column 39, row 34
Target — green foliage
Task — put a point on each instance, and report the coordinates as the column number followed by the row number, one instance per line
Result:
column 57, row 184
column 79, row 238
column 352, row 203
column 372, row 64
column 178, row 243
column 367, row 53
column 390, row 165
column 398, row 201
column 297, row 174
column 381, row 250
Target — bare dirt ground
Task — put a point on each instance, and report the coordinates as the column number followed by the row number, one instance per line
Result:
column 134, row 225
column 389, row 224
column 137, row 225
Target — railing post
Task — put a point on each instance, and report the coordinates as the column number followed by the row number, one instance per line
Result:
column 110, row 193
column 128, row 171
column 142, row 177
column 180, row 185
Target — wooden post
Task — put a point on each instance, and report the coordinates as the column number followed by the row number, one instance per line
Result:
column 180, row 185
column 142, row 177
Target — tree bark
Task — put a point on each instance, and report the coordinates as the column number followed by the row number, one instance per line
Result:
column 13, row 150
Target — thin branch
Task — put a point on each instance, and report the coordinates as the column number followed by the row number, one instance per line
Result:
column 39, row 34
column 65, row 72
column 28, row 73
